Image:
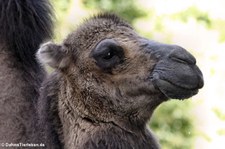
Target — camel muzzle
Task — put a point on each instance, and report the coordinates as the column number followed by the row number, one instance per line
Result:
column 175, row 73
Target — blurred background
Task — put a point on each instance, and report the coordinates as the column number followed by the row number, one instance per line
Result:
column 197, row 25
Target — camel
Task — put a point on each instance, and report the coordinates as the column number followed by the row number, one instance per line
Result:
column 106, row 83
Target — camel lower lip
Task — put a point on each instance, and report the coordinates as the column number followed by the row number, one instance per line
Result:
column 173, row 91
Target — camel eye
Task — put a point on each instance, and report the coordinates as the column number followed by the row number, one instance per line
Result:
column 108, row 54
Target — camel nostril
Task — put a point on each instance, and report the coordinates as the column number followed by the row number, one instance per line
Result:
column 179, row 60
column 182, row 56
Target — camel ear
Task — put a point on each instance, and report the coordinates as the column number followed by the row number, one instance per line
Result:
column 54, row 55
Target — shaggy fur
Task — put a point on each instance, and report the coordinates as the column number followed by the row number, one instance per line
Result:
column 107, row 81
column 24, row 24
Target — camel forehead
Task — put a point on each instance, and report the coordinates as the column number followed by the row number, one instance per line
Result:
column 99, row 27
column 106, row 20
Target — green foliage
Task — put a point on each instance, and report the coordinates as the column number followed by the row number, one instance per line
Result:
column 219, row 114
column 61, row 9
column 221, row 132
column 173, row 125
column 61, row 5
column 204, row 18
column 127, row 9
column 193, row 12
column 218, row 25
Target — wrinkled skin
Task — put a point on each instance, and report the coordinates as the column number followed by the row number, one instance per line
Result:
column 110, row 80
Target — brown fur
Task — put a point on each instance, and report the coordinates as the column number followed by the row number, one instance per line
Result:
column 109, row 108
column 18, row 94
column 107, row 81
